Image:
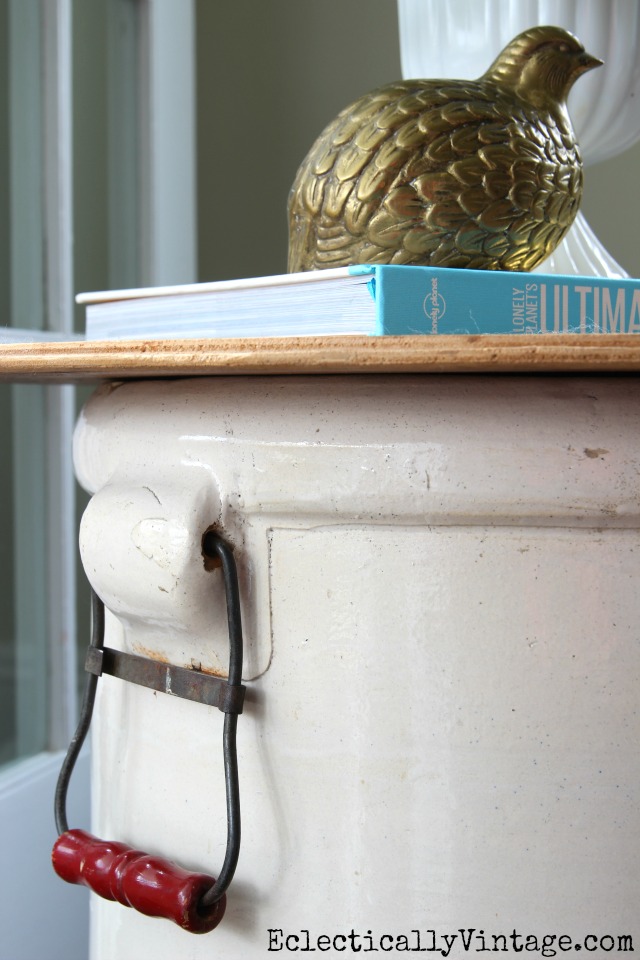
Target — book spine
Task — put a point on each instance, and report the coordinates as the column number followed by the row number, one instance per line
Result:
column 430, row 300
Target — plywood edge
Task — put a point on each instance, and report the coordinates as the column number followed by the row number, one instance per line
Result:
column 77, row 361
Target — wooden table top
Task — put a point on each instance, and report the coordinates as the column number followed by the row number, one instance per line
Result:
column 77, row 361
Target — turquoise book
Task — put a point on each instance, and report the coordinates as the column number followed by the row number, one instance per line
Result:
column 384, row 300
column 428, row 300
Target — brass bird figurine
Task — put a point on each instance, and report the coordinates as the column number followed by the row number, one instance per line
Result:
column 483, row 174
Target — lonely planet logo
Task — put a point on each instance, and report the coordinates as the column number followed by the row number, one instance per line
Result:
column 434, row 305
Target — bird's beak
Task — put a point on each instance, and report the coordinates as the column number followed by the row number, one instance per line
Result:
column 587, row 62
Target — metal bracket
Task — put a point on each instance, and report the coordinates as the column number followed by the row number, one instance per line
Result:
column 166, row 678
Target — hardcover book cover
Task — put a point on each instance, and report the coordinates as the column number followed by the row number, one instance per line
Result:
column 429, row 300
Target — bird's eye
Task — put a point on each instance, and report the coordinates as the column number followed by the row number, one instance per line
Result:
column 563, row 48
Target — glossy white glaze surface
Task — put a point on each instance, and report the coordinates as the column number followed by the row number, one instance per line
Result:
column 438, row 578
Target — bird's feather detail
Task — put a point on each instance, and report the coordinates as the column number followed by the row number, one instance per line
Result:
column 483, row 174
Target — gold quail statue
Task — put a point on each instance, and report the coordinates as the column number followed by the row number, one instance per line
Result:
column 484, row 174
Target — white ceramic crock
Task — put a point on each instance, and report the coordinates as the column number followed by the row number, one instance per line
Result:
column 439, row 588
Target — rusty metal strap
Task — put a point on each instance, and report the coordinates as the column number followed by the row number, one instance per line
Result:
column 166, row 678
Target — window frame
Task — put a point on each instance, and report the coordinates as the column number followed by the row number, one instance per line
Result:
column 157, row 226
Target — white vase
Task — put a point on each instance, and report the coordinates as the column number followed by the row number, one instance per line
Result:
column 460, row 38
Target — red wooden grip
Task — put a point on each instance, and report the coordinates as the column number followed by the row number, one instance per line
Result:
column 151, row 885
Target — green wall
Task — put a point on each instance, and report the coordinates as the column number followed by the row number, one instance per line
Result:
column 270, row 76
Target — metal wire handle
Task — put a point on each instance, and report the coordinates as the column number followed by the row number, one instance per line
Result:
column 86, row 712
column 228, row 696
